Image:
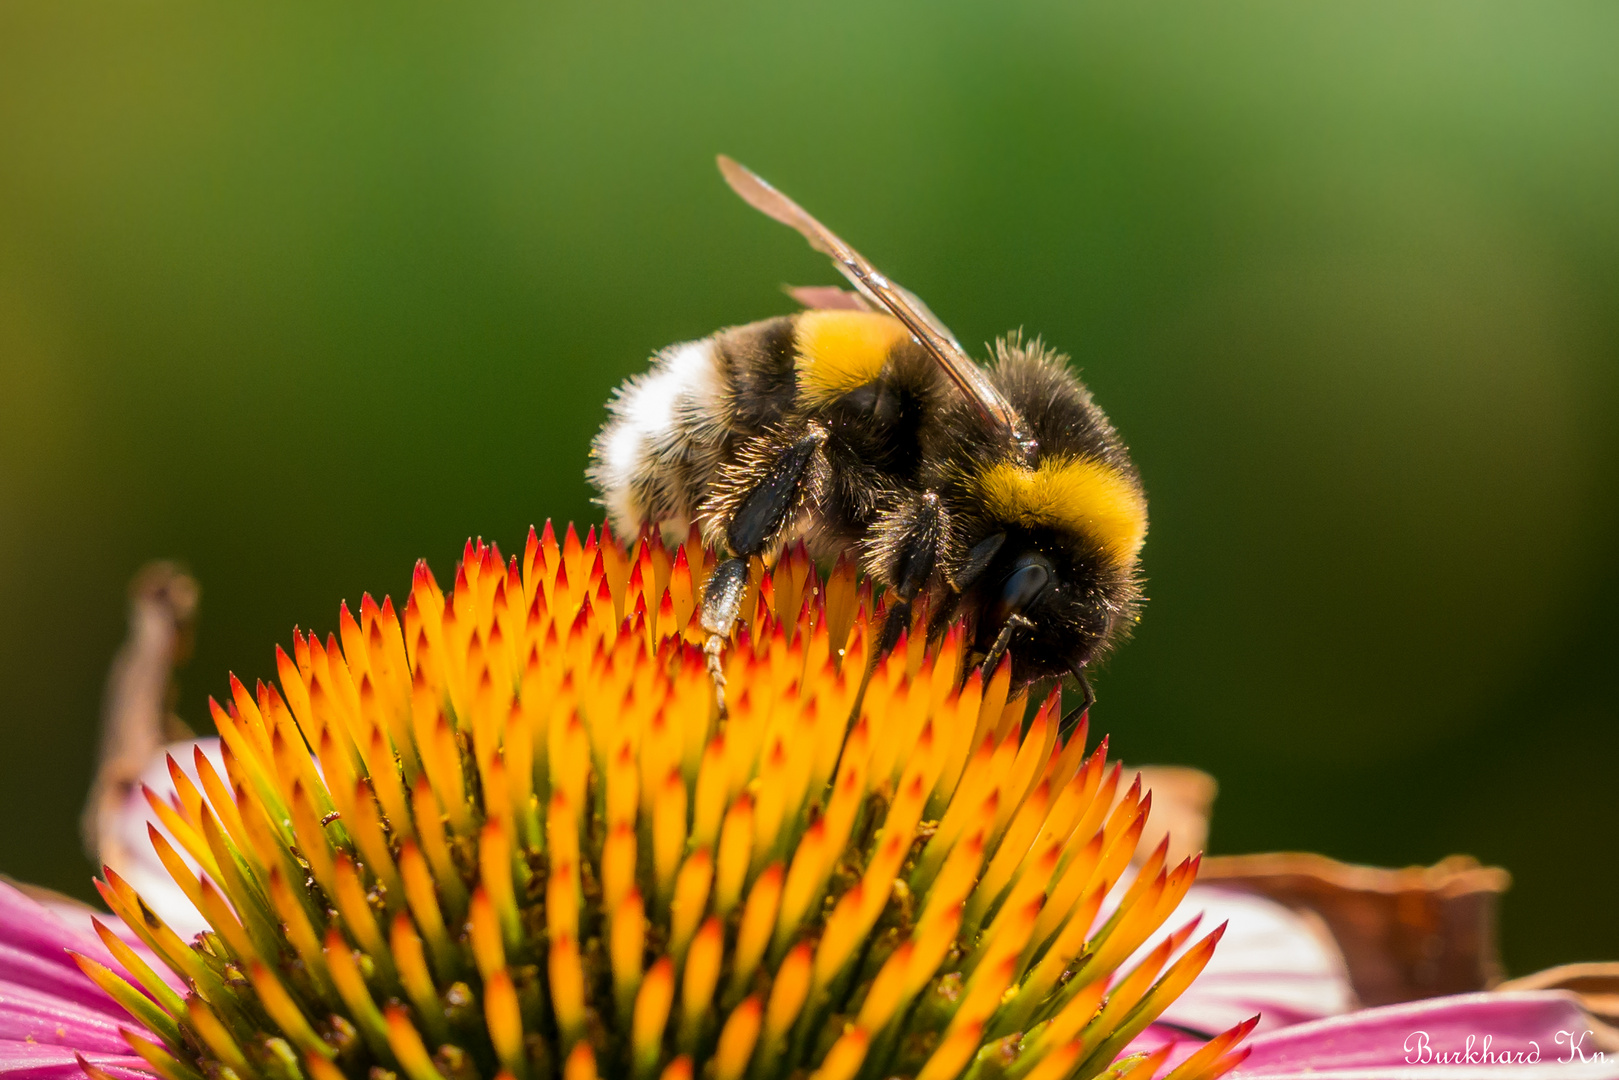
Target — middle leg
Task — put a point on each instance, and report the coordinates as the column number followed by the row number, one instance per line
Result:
column 905, row 554
column 756, row 521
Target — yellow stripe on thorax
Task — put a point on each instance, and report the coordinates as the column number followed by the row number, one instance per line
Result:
column 1079, row 494
column 839, row 351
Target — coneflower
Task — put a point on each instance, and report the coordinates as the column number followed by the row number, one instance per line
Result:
column 505, row 834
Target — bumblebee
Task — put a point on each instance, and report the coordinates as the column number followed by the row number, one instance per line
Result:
column 861, row 425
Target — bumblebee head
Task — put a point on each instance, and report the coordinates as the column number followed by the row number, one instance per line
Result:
column 1055, row 607
column 1047, row 549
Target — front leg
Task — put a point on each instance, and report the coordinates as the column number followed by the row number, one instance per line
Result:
column 770, row 491
column 1083, row 709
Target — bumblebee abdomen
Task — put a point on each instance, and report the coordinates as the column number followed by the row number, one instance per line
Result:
column 671, row 429
column 836, row 352
column 666, row 433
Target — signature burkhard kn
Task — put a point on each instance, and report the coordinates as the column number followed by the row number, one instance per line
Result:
column 1480, row 1050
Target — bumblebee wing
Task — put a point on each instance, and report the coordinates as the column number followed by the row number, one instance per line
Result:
column 935, row 337
column 828, row 297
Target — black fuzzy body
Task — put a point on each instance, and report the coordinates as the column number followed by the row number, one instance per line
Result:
column 883, row 447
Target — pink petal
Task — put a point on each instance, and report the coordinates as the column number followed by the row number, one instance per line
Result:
column 1157, row 1035
column 144, row 870
column 1271, row 961
column 28, row 1015
column 33, row 952
column 39, row 1061
column 1439, row 1038
column 79, row 917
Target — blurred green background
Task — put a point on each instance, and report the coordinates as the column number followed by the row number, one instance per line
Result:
column 299, row 295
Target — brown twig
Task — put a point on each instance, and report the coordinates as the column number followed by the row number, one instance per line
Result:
column 137, row 717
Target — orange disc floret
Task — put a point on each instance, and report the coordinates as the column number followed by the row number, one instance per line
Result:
column 506, row 833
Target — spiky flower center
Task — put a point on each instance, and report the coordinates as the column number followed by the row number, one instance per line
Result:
column 508, row 835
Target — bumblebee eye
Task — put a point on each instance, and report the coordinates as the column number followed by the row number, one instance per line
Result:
column 1028, row 579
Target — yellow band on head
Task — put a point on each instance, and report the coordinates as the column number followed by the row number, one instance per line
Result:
column 1079, row 494
column 839, row 351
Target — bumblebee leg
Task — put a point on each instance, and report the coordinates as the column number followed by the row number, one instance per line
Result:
column 757, row 521
column 721, row 600
column 913, row 563
column 978, row 560
column 762, row 513
column 898, row 618
column 910, row 566
column 992, row 659
column 1077, row 713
